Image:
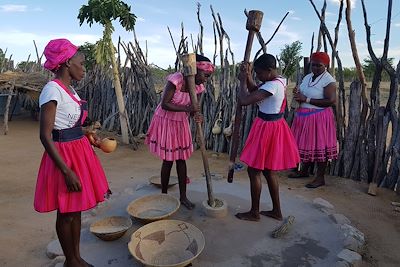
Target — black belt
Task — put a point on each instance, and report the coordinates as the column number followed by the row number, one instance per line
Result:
column 269, row 117
column 67, row 135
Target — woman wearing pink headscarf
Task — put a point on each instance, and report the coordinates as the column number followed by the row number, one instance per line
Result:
column 314, row 126
column 169, row 134
column 70, row 178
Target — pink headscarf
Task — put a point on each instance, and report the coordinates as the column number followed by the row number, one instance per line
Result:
column 57, row 52
column 205, row 66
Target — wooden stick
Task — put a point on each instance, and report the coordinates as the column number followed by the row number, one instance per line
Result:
column 189, row 71
column 253, row 25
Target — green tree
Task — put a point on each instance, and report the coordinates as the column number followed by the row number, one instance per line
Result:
column 289, row 57
column 369, row 68
column 104, row 12
column 2, row 59
column 89, row 50
column 26, row 65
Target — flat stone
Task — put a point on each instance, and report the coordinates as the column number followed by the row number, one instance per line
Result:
column 339, row 218
column 353, row 258
column 349, row 230
column 322, row 203
column 354, row 244
column 342, row 263
column 54, row 249
column 57, row 260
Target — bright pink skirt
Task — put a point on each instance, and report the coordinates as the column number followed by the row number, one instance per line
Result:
column 315, row 134
column 170, row 139
column 52, row 193
column 270, row 145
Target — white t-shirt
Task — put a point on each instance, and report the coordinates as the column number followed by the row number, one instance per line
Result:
column 273, row 103
column 68, row 111
column 315, row 89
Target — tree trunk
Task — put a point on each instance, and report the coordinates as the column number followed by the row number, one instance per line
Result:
column 120, row 98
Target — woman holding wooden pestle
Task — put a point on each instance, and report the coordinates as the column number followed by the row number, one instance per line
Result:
column 169, row 135
column 270, row 145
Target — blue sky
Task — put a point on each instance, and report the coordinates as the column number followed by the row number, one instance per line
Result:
column 22, row 21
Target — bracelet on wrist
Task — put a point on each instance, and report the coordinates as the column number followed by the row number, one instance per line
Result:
column 308, row 100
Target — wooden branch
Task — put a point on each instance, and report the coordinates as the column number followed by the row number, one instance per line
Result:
column 272, row 36
column 320, row 32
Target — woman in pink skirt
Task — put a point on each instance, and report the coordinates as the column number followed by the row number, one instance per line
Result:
column 169, row 134
column 270, row 145
column 70, row 178
column 314, row 126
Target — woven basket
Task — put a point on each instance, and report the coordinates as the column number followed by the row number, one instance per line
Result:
column 156, row 180
column 167, row 243
column 111, row 228
column 153, row 207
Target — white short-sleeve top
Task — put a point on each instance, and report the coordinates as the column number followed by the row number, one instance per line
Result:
column 68, row 111
column 273, row 103
column 315, row 89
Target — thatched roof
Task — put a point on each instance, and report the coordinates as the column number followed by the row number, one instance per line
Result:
column 22, row 81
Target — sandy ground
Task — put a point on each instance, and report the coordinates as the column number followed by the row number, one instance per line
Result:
column 26, row 233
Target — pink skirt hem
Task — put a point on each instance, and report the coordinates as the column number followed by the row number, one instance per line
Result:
column 270, row 146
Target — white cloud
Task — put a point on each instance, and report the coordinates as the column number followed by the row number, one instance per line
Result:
column 140, row 19
column 13, row 8
column 38, row 9
column 397, row 24
column 295, row 18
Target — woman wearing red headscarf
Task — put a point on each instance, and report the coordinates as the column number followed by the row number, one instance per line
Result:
column 70, row 178
column 314, row 125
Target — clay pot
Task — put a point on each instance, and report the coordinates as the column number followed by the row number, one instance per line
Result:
column 108, row 144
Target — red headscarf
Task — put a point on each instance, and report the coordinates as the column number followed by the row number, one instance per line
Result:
column 57, row 52
column 321, row 57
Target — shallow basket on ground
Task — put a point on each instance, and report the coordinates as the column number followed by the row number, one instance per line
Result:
column 153, row 207
column 167, row 243
column 111, row 228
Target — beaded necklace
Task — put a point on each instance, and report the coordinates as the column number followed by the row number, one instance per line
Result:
column 312, row 84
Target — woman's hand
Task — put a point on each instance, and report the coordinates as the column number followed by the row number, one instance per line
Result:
column 72, row 181
column 299, row 97
column 198, row 117
column 296, row 90
column 244, row 71
column 192, row 109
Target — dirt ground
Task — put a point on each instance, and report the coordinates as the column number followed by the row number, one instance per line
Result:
column 26, row 233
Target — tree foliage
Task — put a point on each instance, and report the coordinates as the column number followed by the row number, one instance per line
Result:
column 89, row 50
column 105, row 11
column 289, row 57
column 369, row 68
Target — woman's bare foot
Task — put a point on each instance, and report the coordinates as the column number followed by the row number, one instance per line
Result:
column 316, row 183
column 85, row 263
column 248, row 216
column 272, row 214
column 185, row 202
column 73, row 263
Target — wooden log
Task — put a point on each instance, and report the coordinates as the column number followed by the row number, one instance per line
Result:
column 189, row 71
column 7, row 108
column 352, row 132
column 253, row 25
column 380, row 145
